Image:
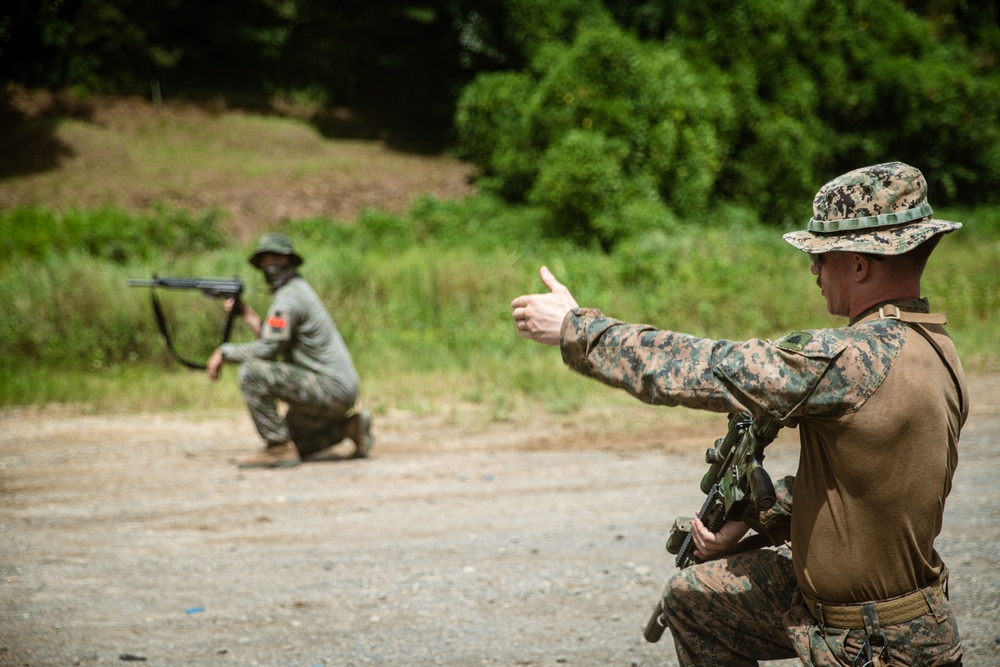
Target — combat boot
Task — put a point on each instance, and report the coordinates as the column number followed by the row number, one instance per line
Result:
column 359, row 429
column 282, row 455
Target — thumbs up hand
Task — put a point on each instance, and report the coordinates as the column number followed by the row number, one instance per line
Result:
column 539, row 317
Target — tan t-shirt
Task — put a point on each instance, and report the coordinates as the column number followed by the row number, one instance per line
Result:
column 870, row 490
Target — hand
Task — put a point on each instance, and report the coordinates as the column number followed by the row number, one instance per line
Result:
column 214, row 365
column 539, row 317
column 709, row 545
column 245, row 311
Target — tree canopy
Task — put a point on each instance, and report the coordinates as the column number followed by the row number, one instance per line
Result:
column 610, row 116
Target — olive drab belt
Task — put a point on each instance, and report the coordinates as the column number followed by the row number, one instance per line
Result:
column 889, row 612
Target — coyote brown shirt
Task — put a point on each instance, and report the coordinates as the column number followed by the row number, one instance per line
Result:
column 879, row 410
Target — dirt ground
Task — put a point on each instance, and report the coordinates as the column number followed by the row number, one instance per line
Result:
column 460, row 542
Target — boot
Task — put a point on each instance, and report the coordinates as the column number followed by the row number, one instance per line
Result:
column 282, row 455
column 359, row 429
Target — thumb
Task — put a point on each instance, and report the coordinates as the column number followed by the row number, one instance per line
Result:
column 557, row 287
column 550, row 280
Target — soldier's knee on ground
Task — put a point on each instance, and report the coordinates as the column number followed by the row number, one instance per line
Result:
column 680, row 594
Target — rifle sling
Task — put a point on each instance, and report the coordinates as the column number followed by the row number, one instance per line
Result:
column 161, row 322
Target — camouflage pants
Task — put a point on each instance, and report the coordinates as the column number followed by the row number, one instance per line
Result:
column 748, row 607
column 317, row 407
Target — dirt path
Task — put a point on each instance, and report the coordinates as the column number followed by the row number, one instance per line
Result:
column 456, row 544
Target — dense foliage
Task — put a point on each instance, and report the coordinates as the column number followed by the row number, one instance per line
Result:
column 613, row 117
column 675, row 107
column 397, row 64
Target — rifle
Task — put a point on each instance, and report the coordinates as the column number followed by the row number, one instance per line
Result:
column 216, row 288
column 737, row 487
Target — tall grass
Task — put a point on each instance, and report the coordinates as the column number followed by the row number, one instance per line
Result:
column 423, row 303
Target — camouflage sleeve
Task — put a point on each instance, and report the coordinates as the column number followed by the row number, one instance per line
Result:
column 814, row 373
column 259, row 349
column 656, row 366
column 804, row 373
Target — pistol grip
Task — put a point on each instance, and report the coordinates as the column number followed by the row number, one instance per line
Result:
column 761, row 489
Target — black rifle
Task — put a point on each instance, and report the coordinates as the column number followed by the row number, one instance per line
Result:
column 216, row 288
column 737, row 488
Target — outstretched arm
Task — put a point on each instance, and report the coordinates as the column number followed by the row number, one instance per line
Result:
column 539, row 317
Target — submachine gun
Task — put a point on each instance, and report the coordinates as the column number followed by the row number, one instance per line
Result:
column 216, row 288
column 737, row 488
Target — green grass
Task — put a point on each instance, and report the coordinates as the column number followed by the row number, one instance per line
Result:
column 427, row 318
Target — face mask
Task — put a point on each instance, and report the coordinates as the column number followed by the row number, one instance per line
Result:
column 278, row 274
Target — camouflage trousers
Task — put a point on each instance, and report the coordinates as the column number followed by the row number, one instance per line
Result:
column 748, row 607
column 317, row 406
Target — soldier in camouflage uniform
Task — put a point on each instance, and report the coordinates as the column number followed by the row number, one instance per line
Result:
column 879, row 405
column 299, row 358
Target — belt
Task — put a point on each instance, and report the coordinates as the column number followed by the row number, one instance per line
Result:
column 889, row 612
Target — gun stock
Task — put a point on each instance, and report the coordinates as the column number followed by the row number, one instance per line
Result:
column 656, row 625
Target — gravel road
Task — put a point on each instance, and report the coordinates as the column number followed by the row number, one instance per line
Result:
column 460, row 542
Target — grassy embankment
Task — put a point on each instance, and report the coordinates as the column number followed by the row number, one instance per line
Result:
column 422, row 297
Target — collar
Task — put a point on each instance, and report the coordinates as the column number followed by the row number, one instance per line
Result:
column 907, row 310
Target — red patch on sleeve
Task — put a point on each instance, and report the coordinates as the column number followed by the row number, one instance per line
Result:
column 277, row 322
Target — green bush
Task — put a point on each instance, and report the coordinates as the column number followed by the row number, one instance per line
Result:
column 106, row 233
column 593, row 125
column 754, row 105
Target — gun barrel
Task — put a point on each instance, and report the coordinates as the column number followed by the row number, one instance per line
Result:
column 211, row 286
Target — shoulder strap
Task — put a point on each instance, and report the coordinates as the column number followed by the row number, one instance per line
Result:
column 889, row 311
column 919, row 322
column 950, row 364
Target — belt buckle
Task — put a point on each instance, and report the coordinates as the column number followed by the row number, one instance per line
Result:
column 886, row 316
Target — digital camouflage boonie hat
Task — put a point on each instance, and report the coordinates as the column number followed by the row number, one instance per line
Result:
column 274, row 243
column 881, row 210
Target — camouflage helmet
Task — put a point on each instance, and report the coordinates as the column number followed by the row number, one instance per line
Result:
column 880, row 210
column 278, row 244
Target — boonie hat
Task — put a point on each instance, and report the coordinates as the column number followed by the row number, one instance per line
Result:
column 880, row 210
column 278, row 244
